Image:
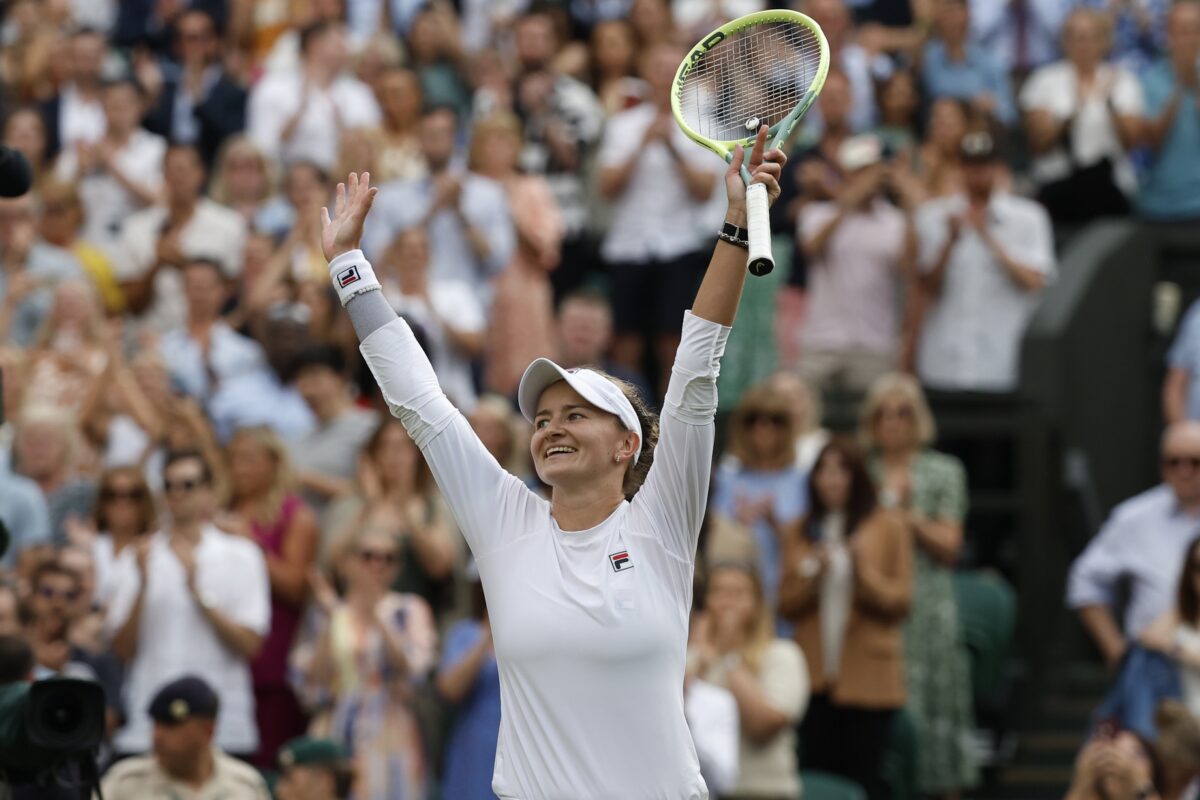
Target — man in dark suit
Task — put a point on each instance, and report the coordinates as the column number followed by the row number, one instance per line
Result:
column 76, row 113
column 196, row 101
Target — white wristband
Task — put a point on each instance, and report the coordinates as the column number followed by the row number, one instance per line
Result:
column 352, row 275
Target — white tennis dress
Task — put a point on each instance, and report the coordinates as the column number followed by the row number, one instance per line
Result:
column 590, row 627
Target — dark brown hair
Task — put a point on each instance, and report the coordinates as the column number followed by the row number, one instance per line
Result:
column 636, row 474
column 1188, row 598
column 147, row 513
column 424, row 477
column 861, row 503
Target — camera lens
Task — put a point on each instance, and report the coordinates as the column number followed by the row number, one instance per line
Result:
column 66, row 714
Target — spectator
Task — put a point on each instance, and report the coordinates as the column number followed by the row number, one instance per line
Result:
column 954, row 66
column 76, row 113
column 314, row 769
column 23, row 512
column 1120, row 766
column 860, row 65
column 469, row 682
column 157, row 242
column 119, row 174
column 396, row 495
column 815, row 173
column 31, row 37
column 899, row 112
column 1139, row 30
column 299, row 115
column 295, row 217
column 264, row 509
column 25, row 131
column 939, row 158
column 188, row 758
column 47, row 450
column 985, row 258
column 763, row 489
column 1020, row 36
column 659, row 183
column 807, row 414
column 1143, row 542
column 197, row 102
column 614, row 50
column 499, row 427
column 1176, row 633
column 522, row 313
column 243, row 180
column 860, row 250
column 1181, row 393
column 10, row 613
column 562, row 119
column 124, row 515
column 70, row 353
column 399, row 146
column 1171, row 187
column 371, row 651
column 930, row 490
column 585, row 335
column 447, row 310
column 436, row 53
column 61, row 226
column 326, row 458
column 736, row 648
column 1082, row 116
column 29, row 268
column 1177, row 751
column 846, row 586
column 465, row 215
column 190, row 599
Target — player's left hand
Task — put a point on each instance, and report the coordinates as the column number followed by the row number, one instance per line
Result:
column 764, row 167
column 342, row 233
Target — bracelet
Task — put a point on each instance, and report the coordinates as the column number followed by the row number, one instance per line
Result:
column 733, row 240
column 735, row 231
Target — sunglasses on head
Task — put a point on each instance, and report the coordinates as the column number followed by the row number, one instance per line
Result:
column 109, row 493
column 185, row 485
column 49, row 592
column 770, row 417
column 385, row 557
column 1175, row 462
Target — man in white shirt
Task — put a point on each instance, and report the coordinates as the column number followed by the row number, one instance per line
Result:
column 299, row 115
column 190, row 599
column 156, row 242
column 985, row 259
column 659, row 183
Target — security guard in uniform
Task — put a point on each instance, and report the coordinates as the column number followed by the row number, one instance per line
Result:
column 314, row 769
column 186, row 765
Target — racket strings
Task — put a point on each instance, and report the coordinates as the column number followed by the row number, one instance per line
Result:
column 756, row 76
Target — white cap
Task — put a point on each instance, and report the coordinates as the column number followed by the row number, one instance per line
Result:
column 860, row 151
column 591, row 386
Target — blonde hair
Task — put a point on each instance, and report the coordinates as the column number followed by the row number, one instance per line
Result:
column 1102, row 20
column 909, row 390
column 502, row 123
column 789, row 382
column 762, row 398
column 760, row 630
column 281, row 484
column 241, row 145
column 93, row 331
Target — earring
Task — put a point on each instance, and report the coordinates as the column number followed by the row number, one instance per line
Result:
column 617, row 459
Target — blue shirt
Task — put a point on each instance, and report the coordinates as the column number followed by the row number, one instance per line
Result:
column 24, row 512
column 1143, row 542
column 1185, row 354
column 1171, row 187
column 966, row 80
column 471, row 751
column 788, row 490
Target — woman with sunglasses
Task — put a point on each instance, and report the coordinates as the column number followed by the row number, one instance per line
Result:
column 759, row 485
column 930, row 490
column 123, row 515
column 359, row 670
column 588, row 592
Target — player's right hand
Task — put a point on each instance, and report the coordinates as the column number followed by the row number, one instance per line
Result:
column 342, row 233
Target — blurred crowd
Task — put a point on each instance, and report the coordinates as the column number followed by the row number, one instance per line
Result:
column 212, row 514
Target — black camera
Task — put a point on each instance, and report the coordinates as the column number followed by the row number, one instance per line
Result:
column 49, row 731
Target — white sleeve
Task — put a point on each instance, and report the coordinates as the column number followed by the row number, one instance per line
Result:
column 784, row 679
column 1127, row 93
column 488, row 503
column 124, row 584
column 248, row 602
column 673, row 498
column 712, row 716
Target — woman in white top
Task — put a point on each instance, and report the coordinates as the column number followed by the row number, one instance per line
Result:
column 734, row 646
column 588, row 593
column 1079, row 112
column 1177, row 632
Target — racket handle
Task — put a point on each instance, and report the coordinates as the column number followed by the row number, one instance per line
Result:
column 758, row 223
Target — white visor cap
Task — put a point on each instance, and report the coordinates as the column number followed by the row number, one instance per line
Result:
column 591, row 386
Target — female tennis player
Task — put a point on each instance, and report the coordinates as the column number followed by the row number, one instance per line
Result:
column 589, row 593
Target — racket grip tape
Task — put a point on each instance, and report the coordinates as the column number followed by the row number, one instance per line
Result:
column 760, row 261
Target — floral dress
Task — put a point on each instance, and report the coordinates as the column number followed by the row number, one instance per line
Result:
column 369, row 710
column 937, row 670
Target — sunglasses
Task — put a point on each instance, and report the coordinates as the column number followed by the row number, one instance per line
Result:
column 186, row 485
column 387, row 558
column 49, row 592
column 109, row 493
column 1175, row 462
column 771, row 418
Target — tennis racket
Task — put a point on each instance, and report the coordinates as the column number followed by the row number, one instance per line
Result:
column 764, row 68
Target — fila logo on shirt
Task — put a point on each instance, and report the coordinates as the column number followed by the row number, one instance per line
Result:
column 348, row 276
column 620, row 561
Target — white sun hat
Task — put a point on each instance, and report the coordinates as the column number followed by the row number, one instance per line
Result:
column 591, row 386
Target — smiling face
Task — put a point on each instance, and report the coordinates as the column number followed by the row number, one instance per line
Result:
column 574, row 441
